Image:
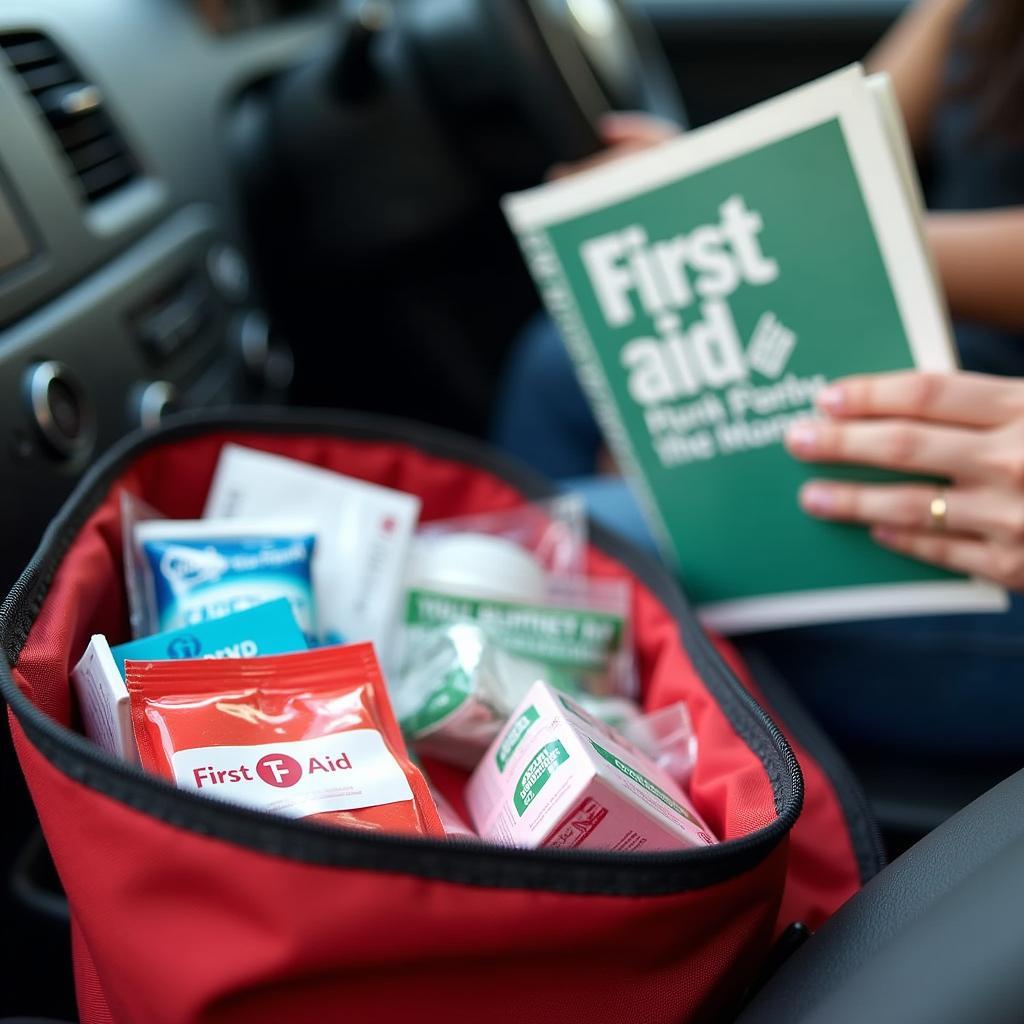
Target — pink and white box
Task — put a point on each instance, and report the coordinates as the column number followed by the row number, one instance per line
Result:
column 557, row 777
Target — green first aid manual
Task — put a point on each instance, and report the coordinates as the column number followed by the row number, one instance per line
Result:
column 706, row 291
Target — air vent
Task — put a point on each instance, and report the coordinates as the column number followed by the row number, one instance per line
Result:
column 97, row 154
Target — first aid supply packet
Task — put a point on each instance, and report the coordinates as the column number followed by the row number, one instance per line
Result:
column 363, row 535
column 518, row 573
column 98, row 678
column 181, row 572
column 580, row 627
column 483, row 621
column 456, row 690
column 269, row 628
column 306, row 735
column 557, row 777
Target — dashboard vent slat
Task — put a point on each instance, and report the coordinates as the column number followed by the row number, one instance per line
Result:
column 32, row 51
column 44, row 76
column 107, row 176
column 86, row 129
column 85, row 158
column 94, row 150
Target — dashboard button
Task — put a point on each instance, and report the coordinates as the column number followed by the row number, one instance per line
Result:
column 152, row 401
column 59, row 408
column 176, row 319
column 267, row 358
column 251, row 334
column 229, row 272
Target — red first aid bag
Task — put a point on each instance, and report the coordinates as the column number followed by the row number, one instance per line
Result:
column 189, row 909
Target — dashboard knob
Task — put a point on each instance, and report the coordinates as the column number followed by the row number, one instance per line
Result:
column 266, row 357
column 152, row 401
column 59, row 408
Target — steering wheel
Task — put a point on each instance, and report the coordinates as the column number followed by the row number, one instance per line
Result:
column 419, row 113
column 557, row 64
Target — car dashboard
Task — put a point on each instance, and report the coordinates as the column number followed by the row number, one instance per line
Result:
column 124, row 291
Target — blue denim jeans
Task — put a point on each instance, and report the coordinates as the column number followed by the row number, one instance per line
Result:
column 949, row 684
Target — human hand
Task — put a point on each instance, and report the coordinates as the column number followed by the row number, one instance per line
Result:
column 964, row 427
column 622, row 134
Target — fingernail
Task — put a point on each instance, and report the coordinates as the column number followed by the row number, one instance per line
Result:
column 884, row 535
column 802, row 437
column 831, row 399
column 818, row 499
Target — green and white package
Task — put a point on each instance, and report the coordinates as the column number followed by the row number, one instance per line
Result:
column 579, row 629
column 468, row 661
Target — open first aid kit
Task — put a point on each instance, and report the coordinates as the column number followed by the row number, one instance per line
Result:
column 357, row 719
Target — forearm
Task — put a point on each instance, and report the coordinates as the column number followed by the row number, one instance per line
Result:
column 913, row 53
column 980, row 261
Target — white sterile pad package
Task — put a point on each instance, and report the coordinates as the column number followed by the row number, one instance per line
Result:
column 363, row 538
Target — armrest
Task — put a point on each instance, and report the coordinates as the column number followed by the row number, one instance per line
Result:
column 936, row 938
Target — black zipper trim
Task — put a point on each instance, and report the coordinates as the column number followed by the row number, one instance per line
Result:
column 463, row 863
column 868, row 847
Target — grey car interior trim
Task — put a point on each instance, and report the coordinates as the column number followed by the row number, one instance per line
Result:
column 936, row 938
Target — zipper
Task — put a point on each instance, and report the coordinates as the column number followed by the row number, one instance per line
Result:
column 574, row 871
column 865, row 835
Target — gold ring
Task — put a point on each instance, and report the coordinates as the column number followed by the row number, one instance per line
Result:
column 938, row 509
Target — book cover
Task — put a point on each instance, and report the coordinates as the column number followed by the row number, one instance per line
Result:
column 707, row 290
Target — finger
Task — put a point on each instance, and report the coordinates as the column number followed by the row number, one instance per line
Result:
column 606, row 156
column 970, row 399
column 983, row 511
column 891, row 444
column 1003, row 564
column 644, row 129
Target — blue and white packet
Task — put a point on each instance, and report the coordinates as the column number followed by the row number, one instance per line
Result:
column 185, row 572
column 268, row 628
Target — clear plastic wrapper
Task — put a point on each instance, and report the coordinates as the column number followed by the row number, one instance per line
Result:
column 456, row 690
column 494, row 603
column 666, row 736
column 553, row 532
column 140, row 602
column 578, row 630
column 181, row 572
column 460, row 681
column 519, row 573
